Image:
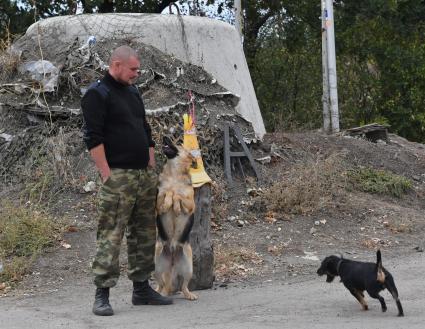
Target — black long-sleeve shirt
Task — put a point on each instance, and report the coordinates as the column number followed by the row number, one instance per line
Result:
column 114, row 116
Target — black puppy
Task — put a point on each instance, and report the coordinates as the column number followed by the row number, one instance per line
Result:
column 359, row 276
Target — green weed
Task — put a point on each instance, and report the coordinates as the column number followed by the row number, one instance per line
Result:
column 379, row 181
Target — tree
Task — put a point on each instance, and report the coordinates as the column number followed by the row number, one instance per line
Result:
column 384, row 42
column 379, row 44
column 13, row 18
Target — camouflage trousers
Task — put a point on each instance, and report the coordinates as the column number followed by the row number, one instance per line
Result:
column 126, row 204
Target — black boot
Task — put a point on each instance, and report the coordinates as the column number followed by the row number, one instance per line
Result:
column 101, row 304
column 143, row 294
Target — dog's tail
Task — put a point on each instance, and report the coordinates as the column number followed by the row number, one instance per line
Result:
column 380, row 274
column 390, row 285
column 388, row 282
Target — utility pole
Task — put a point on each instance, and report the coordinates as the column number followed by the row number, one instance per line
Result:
column 238, row 16
column 331, row 64
column 325, row 74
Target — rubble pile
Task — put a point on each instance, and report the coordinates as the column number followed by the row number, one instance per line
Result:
column 40, row 104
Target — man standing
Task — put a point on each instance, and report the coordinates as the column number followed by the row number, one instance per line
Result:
column 120, row 143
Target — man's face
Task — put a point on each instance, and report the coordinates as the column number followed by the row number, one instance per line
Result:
column 127, row 71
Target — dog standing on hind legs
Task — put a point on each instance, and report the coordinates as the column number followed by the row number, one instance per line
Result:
column 175, row 216
column 360, row 276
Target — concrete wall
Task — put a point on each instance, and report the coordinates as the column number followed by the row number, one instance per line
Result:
column 211, row 44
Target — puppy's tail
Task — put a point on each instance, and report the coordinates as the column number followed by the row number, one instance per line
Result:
column 390, row 285
column 380, row 274
column 388, row 282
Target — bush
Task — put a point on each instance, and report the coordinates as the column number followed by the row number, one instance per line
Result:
column 308, row 187
column 379, row 181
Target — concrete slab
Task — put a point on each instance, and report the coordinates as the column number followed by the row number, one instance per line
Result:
column 211, row 44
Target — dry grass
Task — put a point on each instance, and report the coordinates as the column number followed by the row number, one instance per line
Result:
column 373, row 243
column 24, row 234
column 398, row 227
column 9, row 60
column 14, row 270
column 235, row 263
column 308, row 187
column 50, row 169
column 219, row 205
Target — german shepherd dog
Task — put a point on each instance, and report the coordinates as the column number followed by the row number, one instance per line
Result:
column 175, row 216
column 359, row 276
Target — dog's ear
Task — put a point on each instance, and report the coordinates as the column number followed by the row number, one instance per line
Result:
column 168, row 148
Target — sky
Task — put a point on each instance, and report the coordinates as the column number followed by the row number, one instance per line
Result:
column 211, row 11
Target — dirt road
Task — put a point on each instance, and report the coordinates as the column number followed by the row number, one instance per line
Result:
column 308, row 302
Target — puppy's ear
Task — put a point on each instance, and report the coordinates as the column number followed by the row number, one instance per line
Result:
column 168, row 148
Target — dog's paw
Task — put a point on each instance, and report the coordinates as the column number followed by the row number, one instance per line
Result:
column 190, row 296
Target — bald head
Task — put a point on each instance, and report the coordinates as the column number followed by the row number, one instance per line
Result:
column 123, row 54
column 124, row 65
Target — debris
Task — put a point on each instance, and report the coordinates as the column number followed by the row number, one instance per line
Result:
column 53, row 111
column 374, row 242
column 179, row 71
column 90, row 42
column 270, row 217
column 419, row 249
column 266, row 159
column 42, row 71
column 310, row 256
column 72, row 229
column 89, row 187
column 416, row 178
column 273, row 250
column 313, row 230
column 373, row 132
column 78, row 65
column 232, row 218
column 65, row 245
column 7, row 138
column 274, row 151
column 241, row 223
column 253, row 192
column 2, row 286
